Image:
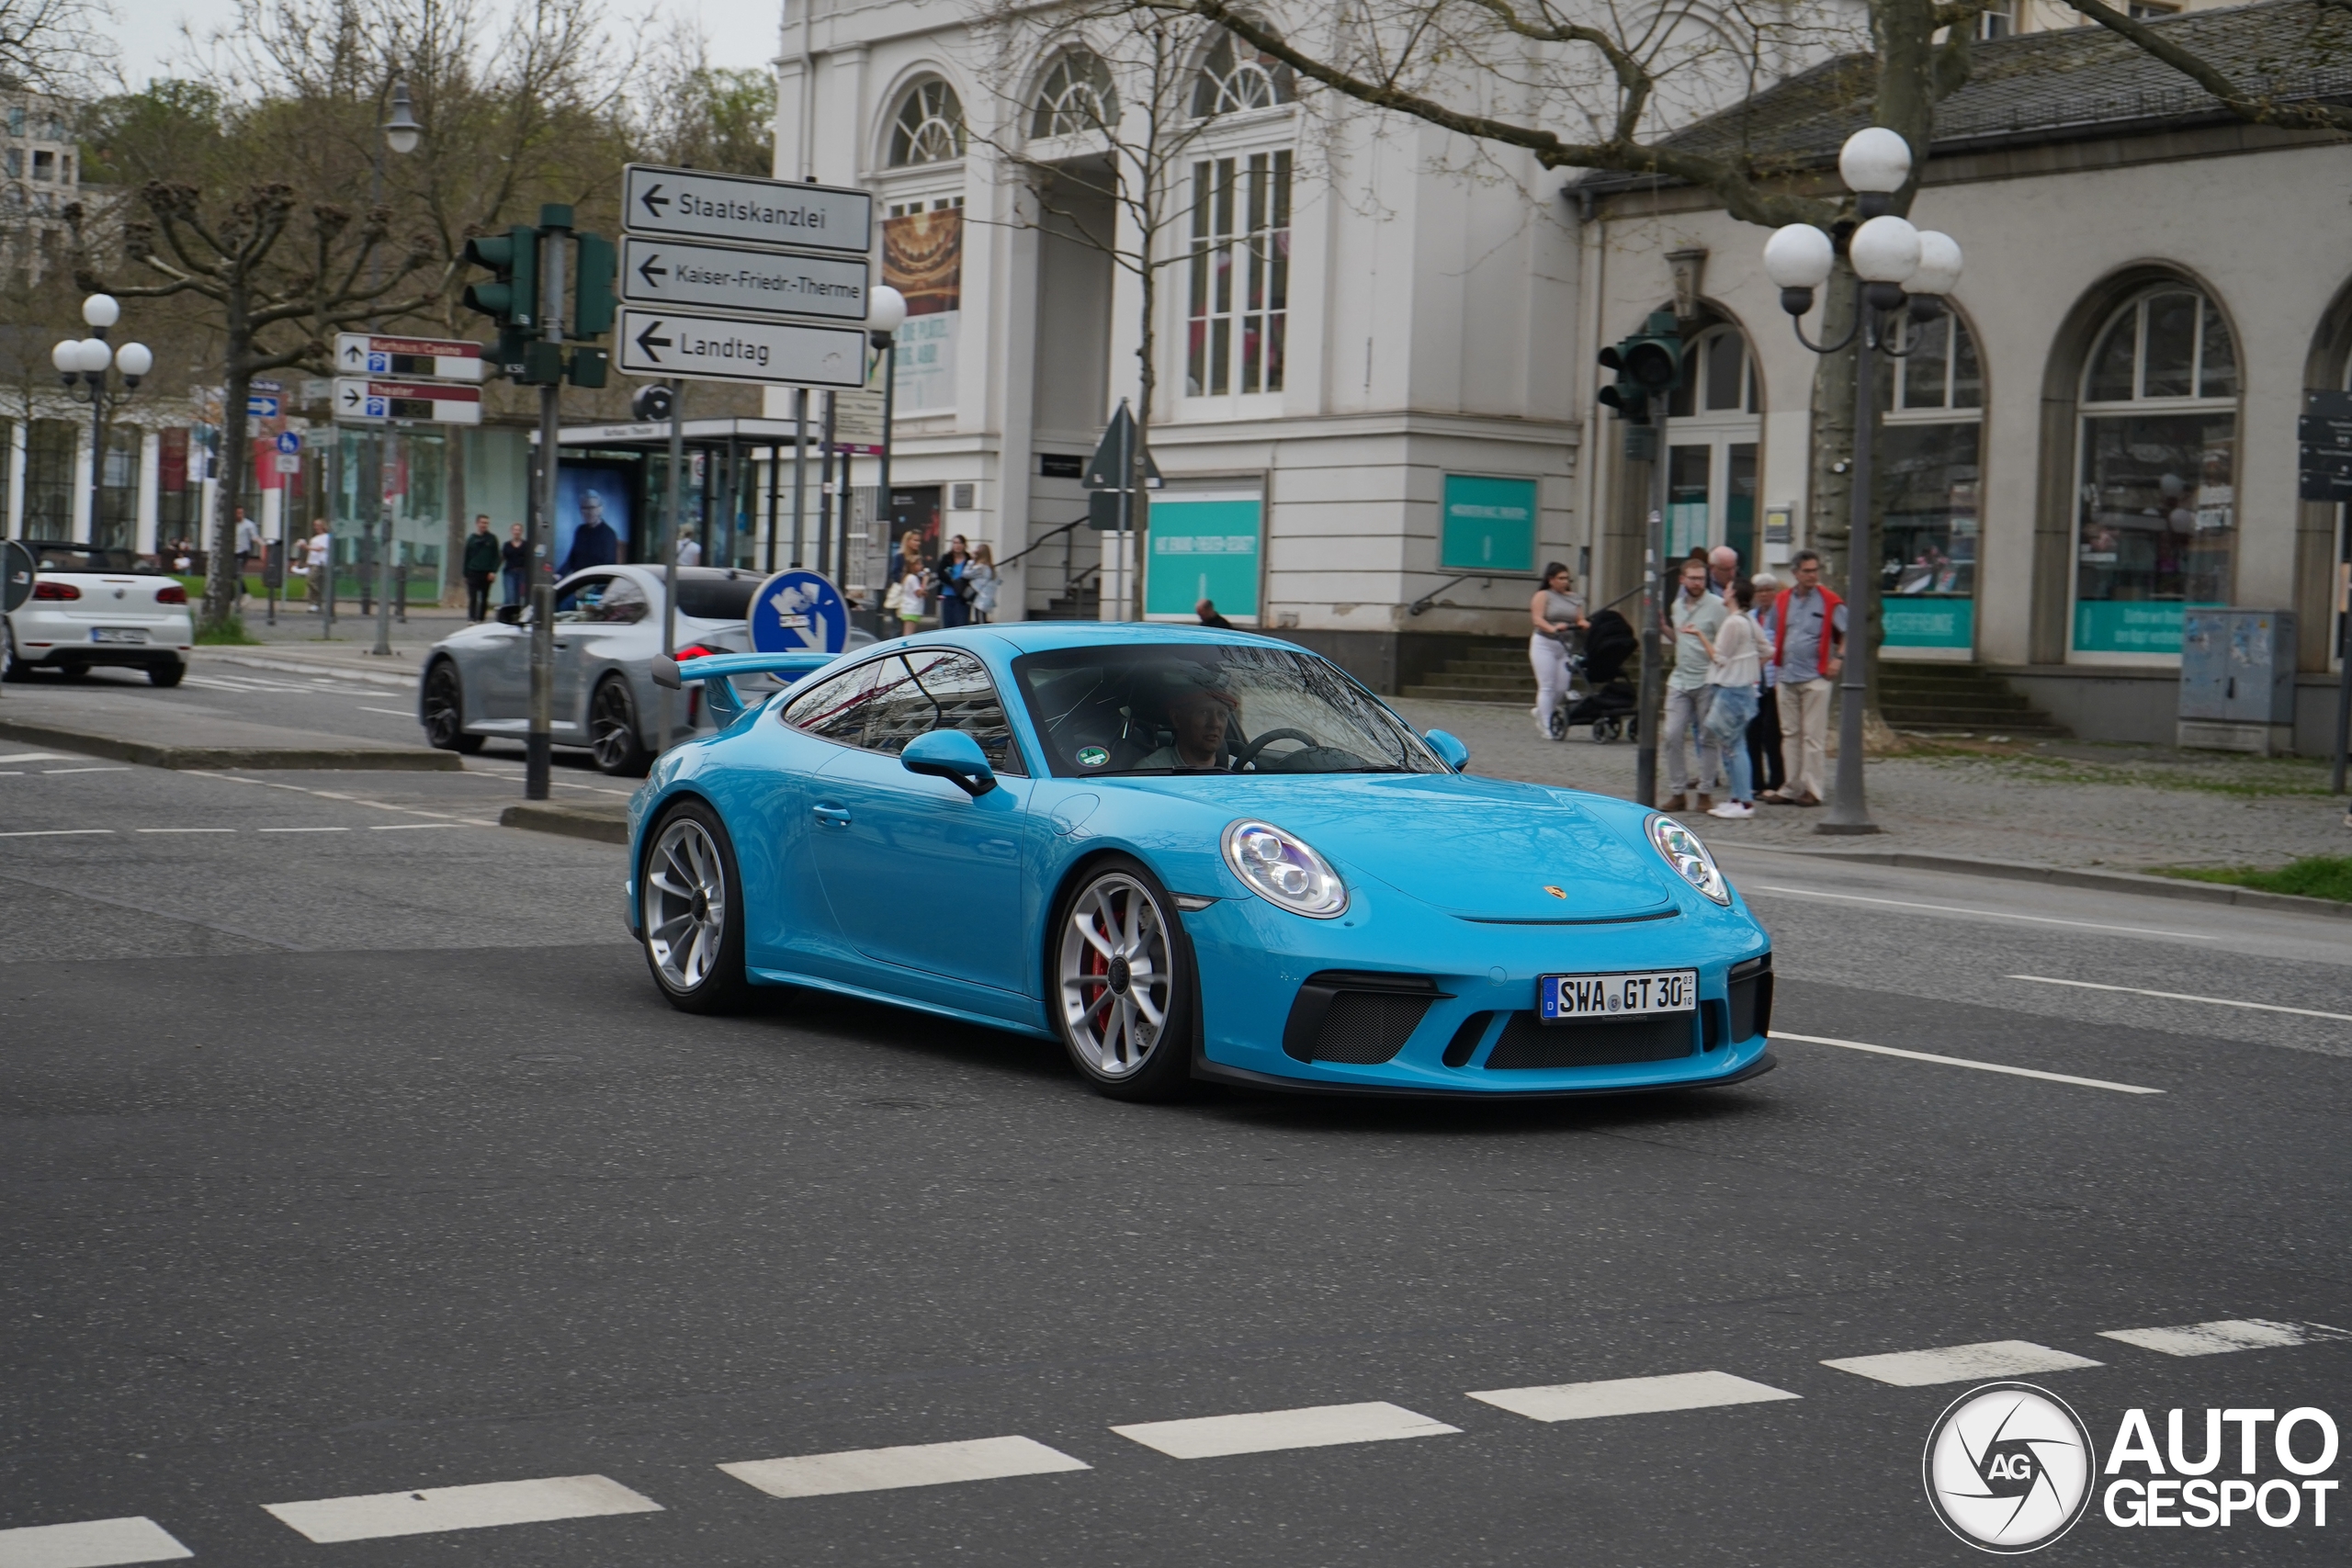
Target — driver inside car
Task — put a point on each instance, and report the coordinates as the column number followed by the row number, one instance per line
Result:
column 1201, row 707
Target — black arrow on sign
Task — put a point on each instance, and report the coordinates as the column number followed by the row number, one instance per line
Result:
column 647, row 271
column 356, row 354
column 649, row 342
column 654, row 201
column 351, row 397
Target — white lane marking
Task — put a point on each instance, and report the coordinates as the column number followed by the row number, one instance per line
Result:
column 1631, row 1396
column 2221, row 1336
column 54, row 832
column 53, row 772
column 440, row 1509
column 1962, row 1363
column 1982, row 914
column 186, row 829
column 411, row 826
column 917, row 1464
column 353, row 799
column 93, row 1543
column 301, row 830
column 396, row 712
column 1264, row 1431
column 2184, row 997
column 1964, row 1062
column 40, row 757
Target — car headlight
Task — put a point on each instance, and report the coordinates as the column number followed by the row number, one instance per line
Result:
column 1280, row 869
column 1689, row 857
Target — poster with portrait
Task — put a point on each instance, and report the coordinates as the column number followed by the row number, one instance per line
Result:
column 592, row 517
column 922, row 258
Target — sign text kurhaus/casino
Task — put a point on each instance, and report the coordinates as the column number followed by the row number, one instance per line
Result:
column 693, row 205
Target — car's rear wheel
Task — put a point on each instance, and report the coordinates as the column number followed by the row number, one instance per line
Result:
column 613, row 739
column 445, row 711
column 167, row 674
column 690, row 905
column 1122, row 988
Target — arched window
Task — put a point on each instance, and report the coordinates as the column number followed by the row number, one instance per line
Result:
column 1075, row 96
column 2158, row 499
column 1930, row 477
column 929, row 127
column 1711, row 470
column 1236, row 78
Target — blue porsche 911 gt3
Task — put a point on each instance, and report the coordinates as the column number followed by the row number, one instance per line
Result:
column 1186, row 854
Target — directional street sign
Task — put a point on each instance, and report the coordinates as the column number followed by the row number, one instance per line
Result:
column 799, row 612
column 726, row 278
column 724, row 348
column 260, row 407
column 696, row 204
column 440, row 359
column 363, row 401
column 2325, row 434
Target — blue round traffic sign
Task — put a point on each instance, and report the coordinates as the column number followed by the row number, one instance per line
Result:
column 799, row 612
column 289, row 442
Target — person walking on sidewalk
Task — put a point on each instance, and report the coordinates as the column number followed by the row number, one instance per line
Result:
column 1734, row 670
column 480, row 566
column 1764, row 730
column 248, row 532
column 515, row 564
column 317, row 556
column 1808, row 635
column 1558, row 611
column 1696, row 616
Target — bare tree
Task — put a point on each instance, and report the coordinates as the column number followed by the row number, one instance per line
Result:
column 691, row 114
column 52, row 44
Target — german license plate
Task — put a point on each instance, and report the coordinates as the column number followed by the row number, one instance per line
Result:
column 117, row 633
column 1572, row 998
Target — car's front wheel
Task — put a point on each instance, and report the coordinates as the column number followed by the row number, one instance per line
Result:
column 690, row 907
column 1122, row 988
column 613, row 739
column 445, row 711
column 169, row 672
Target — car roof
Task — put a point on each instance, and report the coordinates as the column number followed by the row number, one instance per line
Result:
column 1037, row 636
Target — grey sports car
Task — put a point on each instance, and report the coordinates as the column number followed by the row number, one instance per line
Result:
column 476, row 684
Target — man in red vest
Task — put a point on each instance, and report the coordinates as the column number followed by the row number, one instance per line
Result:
column 1809, row 633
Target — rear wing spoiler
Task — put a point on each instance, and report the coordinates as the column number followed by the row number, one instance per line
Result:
column 718, row 692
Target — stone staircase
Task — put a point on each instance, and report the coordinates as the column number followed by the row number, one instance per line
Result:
column 1496, row 674
column 1927, row 698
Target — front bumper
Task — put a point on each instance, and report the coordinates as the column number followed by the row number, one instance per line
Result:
column 1254, row 960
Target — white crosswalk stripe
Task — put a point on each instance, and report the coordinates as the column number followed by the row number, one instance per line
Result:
column 1265, row 1431
column 438, row 1508
column 884, row 1470
column 1962, row 1363
column 93, row 1543
column 1629, row 1396
column 2221, row 1336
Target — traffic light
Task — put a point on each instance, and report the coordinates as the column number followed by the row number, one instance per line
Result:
column 593, row 305
column 1647, row 364
column 513, row 297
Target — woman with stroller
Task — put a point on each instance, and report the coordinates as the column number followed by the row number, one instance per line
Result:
column 1557, row 609
column 1735, row 667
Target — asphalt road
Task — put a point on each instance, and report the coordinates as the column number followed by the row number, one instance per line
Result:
column 362, row 1159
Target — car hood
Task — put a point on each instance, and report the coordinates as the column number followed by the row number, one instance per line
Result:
column 1482, row 849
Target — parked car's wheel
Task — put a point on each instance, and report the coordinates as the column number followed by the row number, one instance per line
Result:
column 613, row 739
column 169, row 672
column 11, row 667
column 1123, row 984
column 690, row 905
column 445, row 711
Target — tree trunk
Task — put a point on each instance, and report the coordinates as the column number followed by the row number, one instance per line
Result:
column 223, row 583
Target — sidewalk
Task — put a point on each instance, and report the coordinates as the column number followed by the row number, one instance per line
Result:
column 2060, row 804
column 294, row 645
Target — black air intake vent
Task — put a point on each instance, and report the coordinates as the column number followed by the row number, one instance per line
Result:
column 1751, row 998
column 1362, row 1019
column 1528, row 1041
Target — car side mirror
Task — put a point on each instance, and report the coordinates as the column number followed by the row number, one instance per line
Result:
column 952, row 755
column 1450, row 751
column 510, row 615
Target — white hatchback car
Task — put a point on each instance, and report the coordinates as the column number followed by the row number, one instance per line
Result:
column 92, row 606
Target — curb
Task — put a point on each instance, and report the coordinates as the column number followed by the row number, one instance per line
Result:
column 2062, row 876
column 598, row 824
column 291, row 667
column 213, row 758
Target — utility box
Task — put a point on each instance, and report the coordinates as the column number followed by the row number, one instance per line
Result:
column 2237, row 681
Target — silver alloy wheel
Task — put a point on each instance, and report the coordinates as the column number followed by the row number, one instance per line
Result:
column 612, row 726
column 445, row 718
column 685, row 902
column 1117, row 981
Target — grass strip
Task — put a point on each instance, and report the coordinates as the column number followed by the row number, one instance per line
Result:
column 2313, row 876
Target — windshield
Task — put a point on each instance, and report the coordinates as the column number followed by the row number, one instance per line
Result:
column 725, row 598
column 1203, row 708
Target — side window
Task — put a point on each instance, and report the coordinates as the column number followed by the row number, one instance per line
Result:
column 963, row 697
column 882, row 704
column 623, row 603
column 580, row 598
column 834, row 708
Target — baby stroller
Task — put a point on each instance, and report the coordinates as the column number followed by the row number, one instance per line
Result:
column 1609, row 704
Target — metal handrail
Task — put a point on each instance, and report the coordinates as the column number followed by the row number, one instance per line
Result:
column 1036, row 544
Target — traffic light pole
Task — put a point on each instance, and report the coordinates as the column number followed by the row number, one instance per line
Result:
column 1653, row 693
column 535, row 784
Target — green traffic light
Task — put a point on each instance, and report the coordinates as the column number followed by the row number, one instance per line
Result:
column 512, row 298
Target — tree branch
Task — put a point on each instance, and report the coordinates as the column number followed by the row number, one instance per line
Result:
column 2250, row 106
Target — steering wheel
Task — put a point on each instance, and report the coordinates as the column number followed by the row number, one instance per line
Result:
column 1248, row 754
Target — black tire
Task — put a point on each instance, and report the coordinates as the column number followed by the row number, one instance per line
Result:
column 76, row 671
column 614, row 743
column 1104, row 1053
column 169, row 674
column 690, row 850
column 445, row 711
column 11, row 667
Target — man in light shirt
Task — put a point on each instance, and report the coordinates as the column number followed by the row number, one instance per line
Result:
column 1808, row 636
column 1696, row 616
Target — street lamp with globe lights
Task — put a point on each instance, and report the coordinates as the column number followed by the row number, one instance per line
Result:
column 403, row 132
column 886, row 312
column 1894, row 266
column 84, row 363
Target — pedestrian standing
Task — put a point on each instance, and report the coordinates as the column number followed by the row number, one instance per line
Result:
column 689, row 551
column 1205, row 613
column 1734, row 670
column 1696, row 613
column 480, row 567
column 248, row 537
column 1557, row 610
column 982, row 579
column 911, row 588
column 515, row 564
column 1808, row 635
column 955, row 596
column 1722, row 570
column 1764, row 730
column 318, row 554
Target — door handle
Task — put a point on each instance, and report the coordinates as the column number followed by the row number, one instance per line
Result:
column 833, row 815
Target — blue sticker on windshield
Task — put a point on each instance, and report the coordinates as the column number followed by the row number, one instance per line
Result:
column 1093, row 756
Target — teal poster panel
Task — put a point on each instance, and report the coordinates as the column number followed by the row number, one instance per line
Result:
column 1205, row 546
column 2127, row 625
column 1929, row 623
column 1489, row 524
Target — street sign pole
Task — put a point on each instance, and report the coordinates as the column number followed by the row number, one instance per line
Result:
column 799, row 471
column 384, row 438
column 536, row 748
column 1653, row 692
column 670, row 542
